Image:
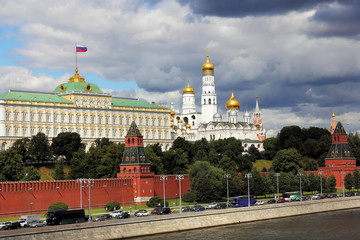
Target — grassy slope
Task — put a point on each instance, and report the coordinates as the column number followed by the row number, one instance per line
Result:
column 260, row 164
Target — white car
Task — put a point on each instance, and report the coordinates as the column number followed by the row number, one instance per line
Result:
column 259, row 203
column 115, row 213
column 211, row 205
column 142, row 213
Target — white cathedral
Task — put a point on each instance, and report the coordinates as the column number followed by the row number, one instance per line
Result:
column 209, row 124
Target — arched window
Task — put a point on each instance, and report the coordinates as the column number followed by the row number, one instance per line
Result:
column 204, row 101
column 209, row 101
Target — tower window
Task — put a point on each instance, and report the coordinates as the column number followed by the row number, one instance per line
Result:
column 209, row 101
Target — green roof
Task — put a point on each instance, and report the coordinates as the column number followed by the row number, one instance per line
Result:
column 119, row 102
column 82, row 87
column 33, row 97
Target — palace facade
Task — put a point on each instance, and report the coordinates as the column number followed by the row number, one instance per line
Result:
column 78, row 106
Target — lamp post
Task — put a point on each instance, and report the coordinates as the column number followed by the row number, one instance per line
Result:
column 89, row 182
column 300, row 175
column 248, row 176
column 277, row 175
column 163, row 178
column 80, row 181
column 343, row 182
column 227, row 176
column 321, row 175
column 179, row 178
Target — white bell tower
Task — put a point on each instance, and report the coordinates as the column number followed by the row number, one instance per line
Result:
column 208, row 94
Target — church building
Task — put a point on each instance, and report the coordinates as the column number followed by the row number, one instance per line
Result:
column 193, row 125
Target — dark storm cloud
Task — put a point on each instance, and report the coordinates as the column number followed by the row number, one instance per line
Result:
column 243, row 8
column 340, row 19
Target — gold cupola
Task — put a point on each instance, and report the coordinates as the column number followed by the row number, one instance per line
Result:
column 232, row 103
column 76, row 77
column 188, row 90
column 172, row 113
column 208, row 66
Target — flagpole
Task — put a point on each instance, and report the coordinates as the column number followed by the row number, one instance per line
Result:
column 75, row 55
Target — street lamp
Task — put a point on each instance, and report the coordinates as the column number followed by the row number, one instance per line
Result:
column 248, row 176
column 163, row 178
column 277, row 175
column 300, row 175
column 227, row 176
column 80, row 181
column 343, row 182
column 89, row 182
column 321, row 175
column 179, row 178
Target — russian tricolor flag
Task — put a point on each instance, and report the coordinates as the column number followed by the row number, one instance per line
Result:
column 80, row 48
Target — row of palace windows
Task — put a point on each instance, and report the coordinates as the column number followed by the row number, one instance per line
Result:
column 82, row 118
column 16, row 131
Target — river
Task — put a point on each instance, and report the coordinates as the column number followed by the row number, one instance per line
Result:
column 330, row 225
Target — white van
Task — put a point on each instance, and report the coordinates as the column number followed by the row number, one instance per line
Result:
column 25, row 220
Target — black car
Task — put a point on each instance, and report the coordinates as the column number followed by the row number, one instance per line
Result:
column 123, row 214
column 10, row 225
column 186, row 209
column 220, row 206
column 271, row 201
column 102, row 217
column 164, row 211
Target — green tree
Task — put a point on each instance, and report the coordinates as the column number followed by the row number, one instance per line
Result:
column 39, row 148
column 308, row 164
column 245, row 163
column 22, row 146
column 356, row 179
column 189, row 197
column 58, row 206
column 287, row 160
column 65, row 144
column 11, row 165
column 156, row 165
column 349, row 181
column 112, row 206
column 31, row 174
column 228, row 165
column 59, row 173
column 206, row 181
column 314, row 183
column 291, row 137
column 330, row 183
column 312, row 148
column 101, row 142
column 156, row 202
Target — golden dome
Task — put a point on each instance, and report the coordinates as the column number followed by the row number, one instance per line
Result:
column 333, row 115
column 208, row 66
column 180, row 121
column 188, row 89
column 172, row 113
column 171, row 125
column 171, row 120
column 76, row 77
column 188, row 126
column 232, row 103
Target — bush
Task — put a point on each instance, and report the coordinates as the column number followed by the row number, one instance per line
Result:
column 189, row 197
column 156, row 202
column 112, row 206
column 58, row 206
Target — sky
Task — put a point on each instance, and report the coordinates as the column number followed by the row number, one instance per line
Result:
column 300, row 57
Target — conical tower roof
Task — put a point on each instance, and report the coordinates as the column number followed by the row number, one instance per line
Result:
column 339, row 129
column 133, row 130
column 340, row 148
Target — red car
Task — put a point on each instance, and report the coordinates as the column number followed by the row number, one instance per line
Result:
column 281, row 200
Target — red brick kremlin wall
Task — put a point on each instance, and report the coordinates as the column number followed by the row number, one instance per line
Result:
column 24, row 198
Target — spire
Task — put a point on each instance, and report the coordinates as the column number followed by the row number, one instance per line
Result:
column 133, row 130
column 257, row 109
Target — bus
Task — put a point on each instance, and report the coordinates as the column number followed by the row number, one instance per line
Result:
column 57, row 217
column 242, row 201
column 291, row 196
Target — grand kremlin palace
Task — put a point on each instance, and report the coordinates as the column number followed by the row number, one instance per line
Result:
column 78, row 106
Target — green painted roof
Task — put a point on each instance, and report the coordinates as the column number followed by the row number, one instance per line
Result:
column 78, row 87
column 118, row 102
column 33, row 97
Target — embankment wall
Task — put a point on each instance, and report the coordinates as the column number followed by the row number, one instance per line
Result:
column 188, row 221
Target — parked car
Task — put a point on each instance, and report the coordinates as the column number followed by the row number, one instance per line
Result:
column 173, row 210
column 34, row 224
column 259, row 203
column 102, row 217
column 186, row 209
column 332, row 195
column 142, row 213
column 115, row 213
column 11, row 225
column 4, row 225
column 211, row 205
column 197, row 208
column 271, row 201
column 123, row 214
column 155, row 211
column 220, row 206
column 281, row 200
